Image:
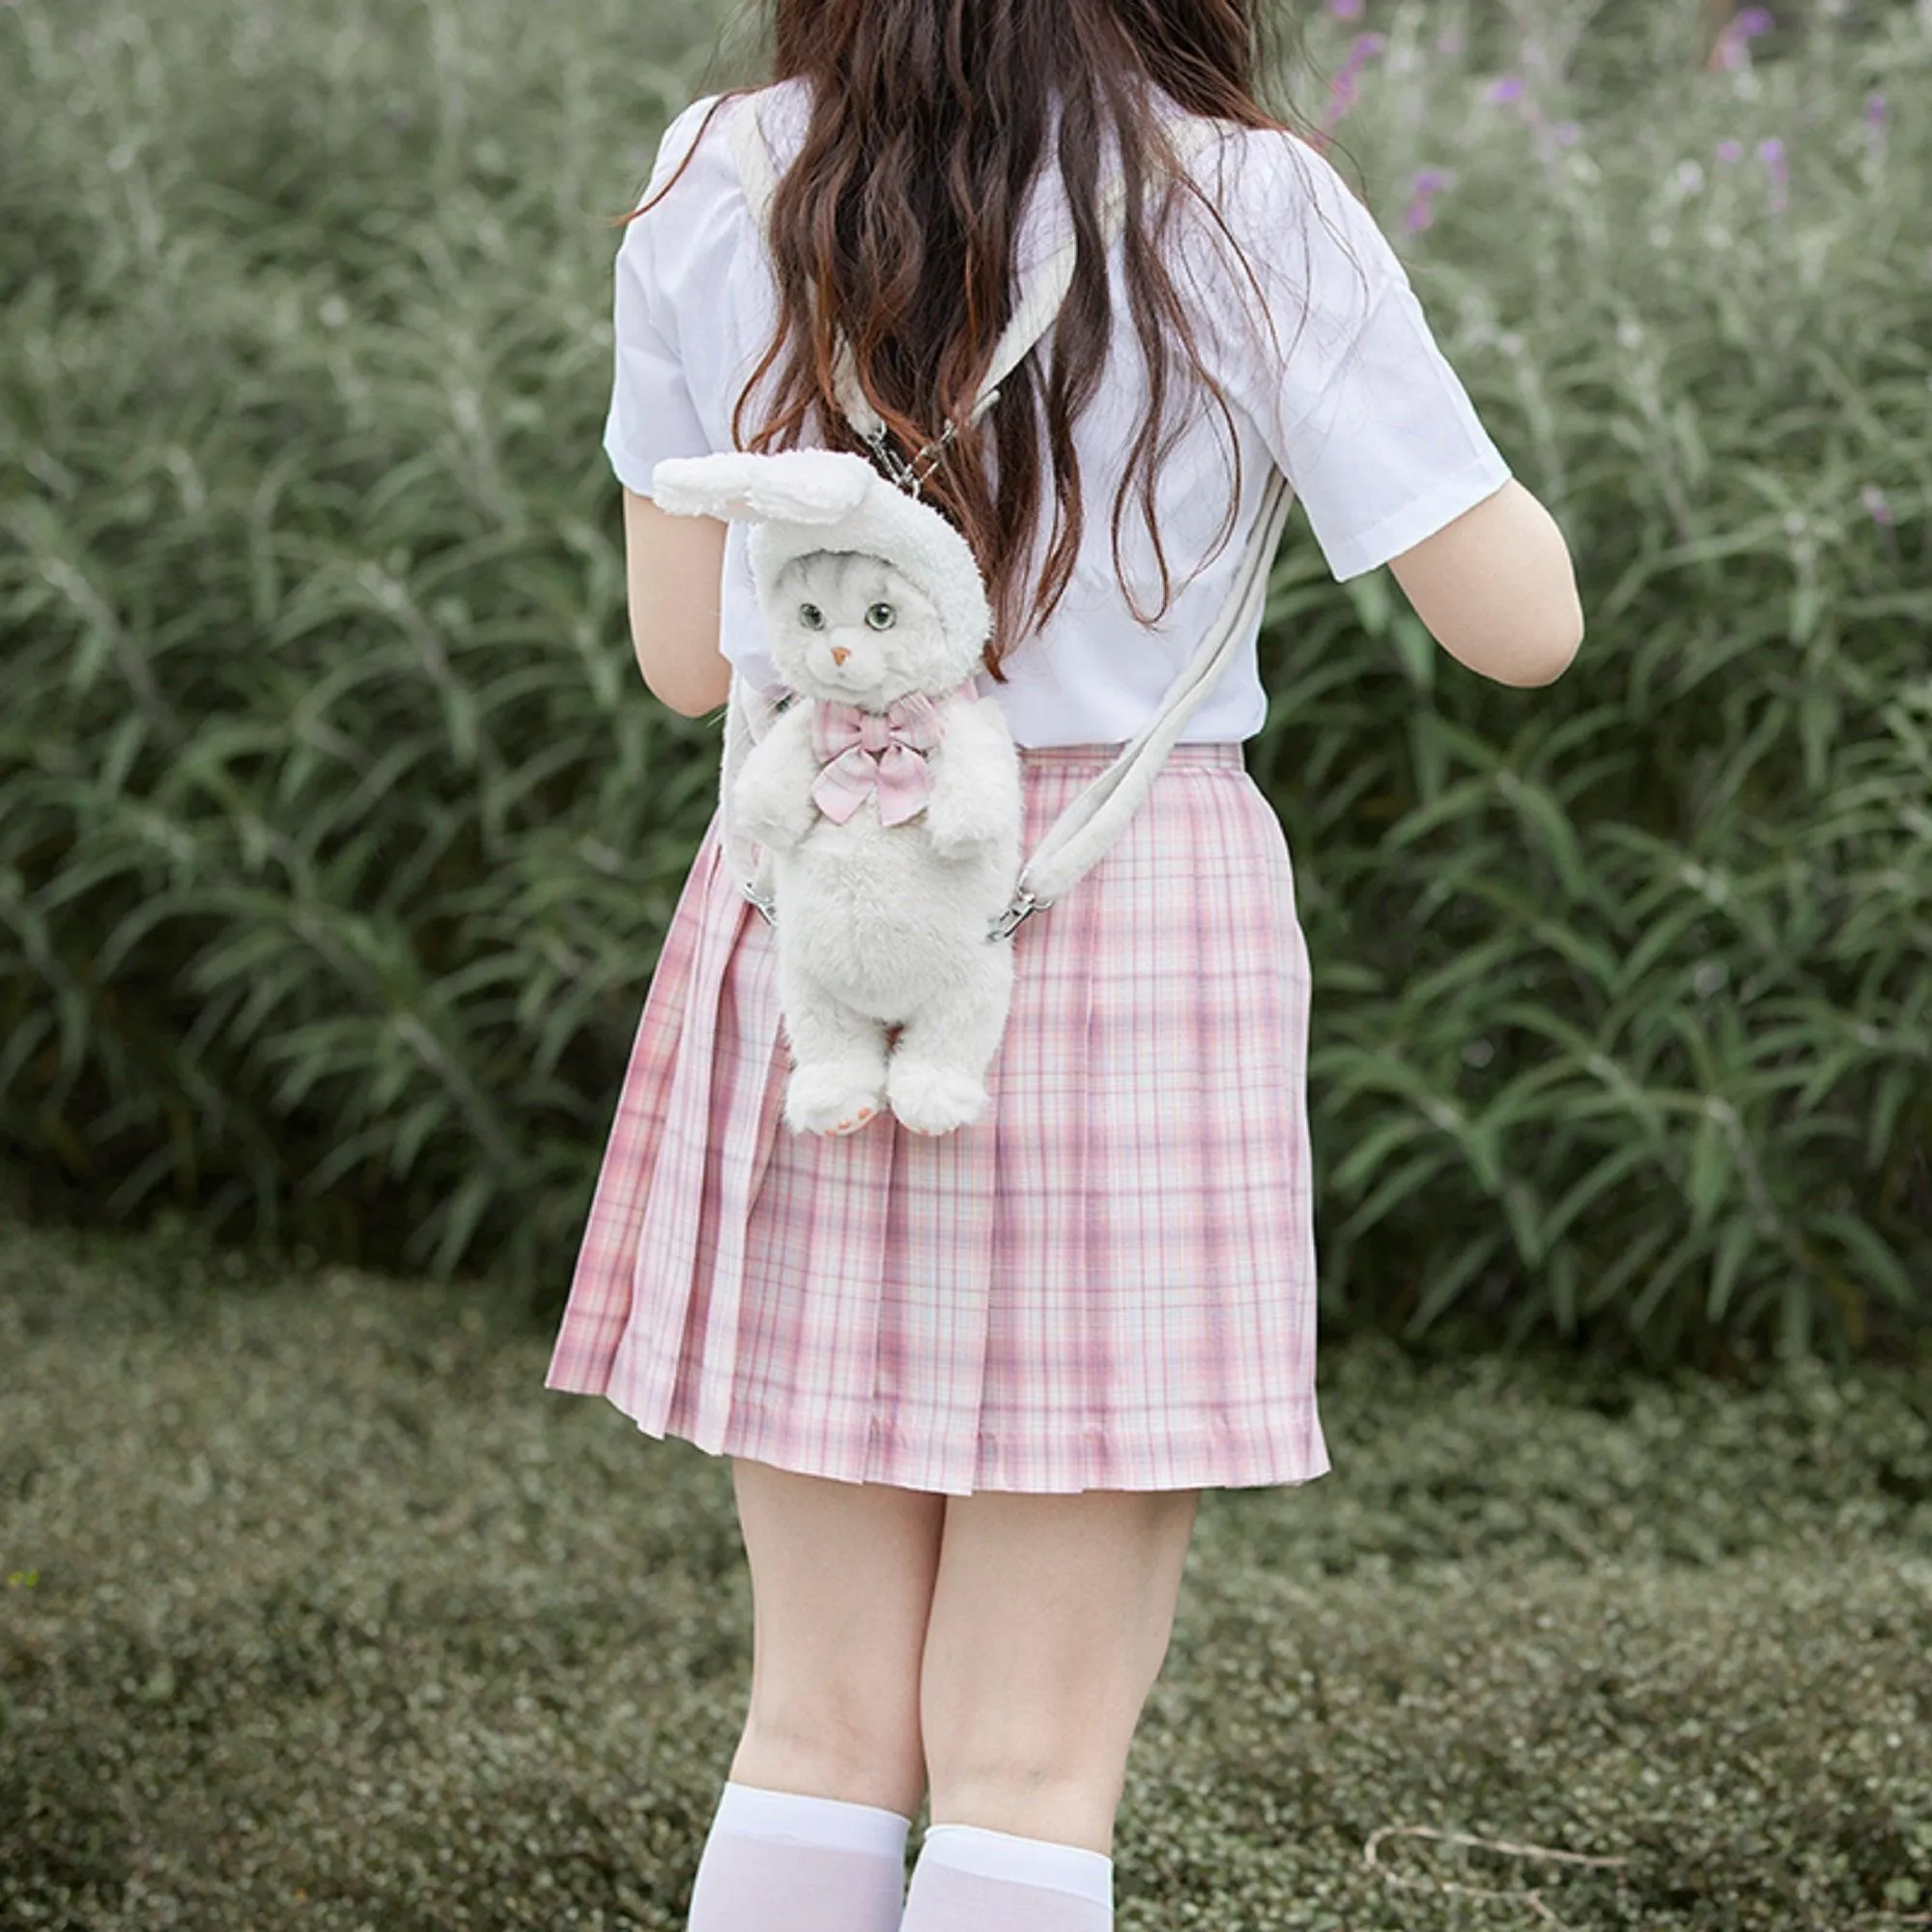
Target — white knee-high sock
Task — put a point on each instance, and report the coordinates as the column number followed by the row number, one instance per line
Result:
column 810, row 1864
column 972, row 1880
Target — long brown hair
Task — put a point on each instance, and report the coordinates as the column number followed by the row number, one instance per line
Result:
column 899, row 224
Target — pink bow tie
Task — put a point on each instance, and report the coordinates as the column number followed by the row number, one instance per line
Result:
column 884, row 751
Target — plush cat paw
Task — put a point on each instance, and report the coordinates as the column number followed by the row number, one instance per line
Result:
column 956, row 831
column 778, row 823
column 933, row 1099
column 830, row 1098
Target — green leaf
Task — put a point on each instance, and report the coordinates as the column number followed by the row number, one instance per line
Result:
column 1734, row 1244
column 1710, row 1170
column 1881, row 1268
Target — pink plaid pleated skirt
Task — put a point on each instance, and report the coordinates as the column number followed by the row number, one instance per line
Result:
column 1107, row 1282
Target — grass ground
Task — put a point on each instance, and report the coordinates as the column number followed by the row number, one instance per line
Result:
column 320, row 1611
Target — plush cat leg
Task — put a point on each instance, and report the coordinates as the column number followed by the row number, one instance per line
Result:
column 936, row 1076
column 837, row 1081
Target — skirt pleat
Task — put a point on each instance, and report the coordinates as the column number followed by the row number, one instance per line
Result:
column 1106, row 1282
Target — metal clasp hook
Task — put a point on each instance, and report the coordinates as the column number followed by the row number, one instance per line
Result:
column 1021, row 906
column 903, row 473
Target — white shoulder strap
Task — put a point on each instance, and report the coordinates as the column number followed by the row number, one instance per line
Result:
column 1088, row 827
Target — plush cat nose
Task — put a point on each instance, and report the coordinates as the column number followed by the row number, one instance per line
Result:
column 840, row 653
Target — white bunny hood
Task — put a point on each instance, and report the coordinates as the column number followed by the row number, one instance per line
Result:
column 799, row 501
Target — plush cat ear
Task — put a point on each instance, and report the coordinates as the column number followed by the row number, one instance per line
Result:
column 793, row 486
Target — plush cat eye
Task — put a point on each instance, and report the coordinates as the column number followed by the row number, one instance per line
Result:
column 811, row 617
column 886, row 622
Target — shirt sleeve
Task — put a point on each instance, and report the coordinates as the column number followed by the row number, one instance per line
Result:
column 1359, row 407
column 652, row 412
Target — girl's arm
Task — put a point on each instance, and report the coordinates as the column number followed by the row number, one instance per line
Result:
column 1498, row 591
column 673, row 568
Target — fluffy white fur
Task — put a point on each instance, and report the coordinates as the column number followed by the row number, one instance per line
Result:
column 877, row 925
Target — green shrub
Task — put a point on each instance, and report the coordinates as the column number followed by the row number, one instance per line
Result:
column 338, row 837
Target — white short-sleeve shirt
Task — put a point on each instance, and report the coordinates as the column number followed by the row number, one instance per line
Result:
column 1357, row 406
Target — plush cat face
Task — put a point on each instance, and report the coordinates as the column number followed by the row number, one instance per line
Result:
column 847, row 626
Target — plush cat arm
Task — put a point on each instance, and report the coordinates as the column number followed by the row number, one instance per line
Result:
column 772, row 802
column 975, row 781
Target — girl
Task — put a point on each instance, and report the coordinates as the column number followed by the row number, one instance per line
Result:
column 972, row 1386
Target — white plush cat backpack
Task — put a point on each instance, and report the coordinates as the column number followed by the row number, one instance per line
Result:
column 882, row 792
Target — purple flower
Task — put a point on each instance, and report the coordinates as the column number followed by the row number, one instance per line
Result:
column 1342, row 87
column 1730, row 151
column 1363, row 49
column 1875, row 110
column 1427, row 181
column 1346, row 9
column 1746, row 26
column 1507, row 88
column 1873, row 498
